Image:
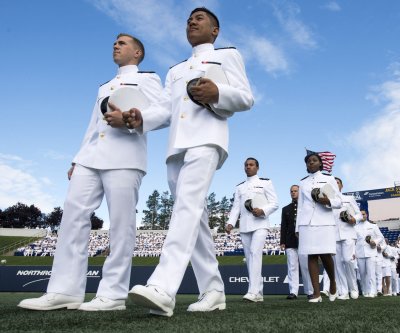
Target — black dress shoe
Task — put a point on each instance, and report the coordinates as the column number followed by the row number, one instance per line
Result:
column 291, row 296
column 310, row 296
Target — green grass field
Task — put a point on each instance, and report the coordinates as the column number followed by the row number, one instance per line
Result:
column 276, row 314
column 98, row 261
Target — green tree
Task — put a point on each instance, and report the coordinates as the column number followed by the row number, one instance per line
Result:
column 150, row 219
column 54, row 218
column 21, row 216
column 224, row 208
column 212, row 208
column 97, row 223
column 166, row 204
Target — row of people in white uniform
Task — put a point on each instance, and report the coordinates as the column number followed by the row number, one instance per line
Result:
column 361, row 249
column 361, row 253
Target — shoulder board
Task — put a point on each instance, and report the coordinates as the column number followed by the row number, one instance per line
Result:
column 240, row 183
column 146, row 72
column 105, row 83
column 264, row 178
column 225, row 48
column 178, row 63
column 304, row 178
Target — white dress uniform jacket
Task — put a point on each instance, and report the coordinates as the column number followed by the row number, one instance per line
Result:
column 192, row 125
column 98, row 149
column 247, row 190
column 308, row 211
column 346, row 230
column 111, row 162
column 364, row 229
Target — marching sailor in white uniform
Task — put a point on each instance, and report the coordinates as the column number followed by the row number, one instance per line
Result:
column 346, row 218
column 255, row 200
column 368, row 236
column 198, row 146
column 110, row 162
column 316, row 223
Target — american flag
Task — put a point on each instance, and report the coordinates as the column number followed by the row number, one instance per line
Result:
column 327, row 159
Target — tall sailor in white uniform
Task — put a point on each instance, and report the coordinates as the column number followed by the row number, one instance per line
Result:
column 316, row 222
column 198, row 146
column 255, row 200
column 110, row 162
column 346, row 236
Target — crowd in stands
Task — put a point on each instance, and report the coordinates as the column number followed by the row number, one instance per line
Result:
column 149, row 244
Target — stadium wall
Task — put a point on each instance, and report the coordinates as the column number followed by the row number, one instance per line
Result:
column 35, row 279
column 22, row 232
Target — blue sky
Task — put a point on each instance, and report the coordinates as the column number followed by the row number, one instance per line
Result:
column 325, row 75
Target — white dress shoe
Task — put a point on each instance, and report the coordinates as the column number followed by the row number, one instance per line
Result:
column 209, row 301
column 51, row 301
column 371, row 295
column 153, row 298
column 253, row 297
column 344, row 297
column 332, row 297
column 101, row 303
column 354, row 294
column 325, row 292
column 315, row 300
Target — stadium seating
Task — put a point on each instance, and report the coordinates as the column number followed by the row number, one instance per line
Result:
column 149, row 244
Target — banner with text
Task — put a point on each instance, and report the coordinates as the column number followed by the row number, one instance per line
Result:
column 35, row 279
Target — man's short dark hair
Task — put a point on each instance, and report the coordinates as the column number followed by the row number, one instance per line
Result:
column 253, row 159
column 137, row 42
column 210, row 14
column 337, row 178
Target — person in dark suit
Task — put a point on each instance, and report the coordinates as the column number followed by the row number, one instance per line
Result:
column 289, row 243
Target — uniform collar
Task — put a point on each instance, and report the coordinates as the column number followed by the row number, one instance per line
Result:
column 252, row 178
column 127, row 69
column 315, row 174
column 202, row 48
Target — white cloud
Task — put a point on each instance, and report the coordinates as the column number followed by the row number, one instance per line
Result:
column 270, row 57
column 377, row 143
column 161, row 23
column 19, row 185
column 333, row 6
column 288, row 16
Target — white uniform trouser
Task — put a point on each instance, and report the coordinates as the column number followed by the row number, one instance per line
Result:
column 344, row 266
column 294, row 260
column 189, row 236
column 293, row 270
column 253, row 245
column 393, row 282
column 366, row 267
column 305, row 274
column 86, row 190
column 326, row 282
column 378, row 274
